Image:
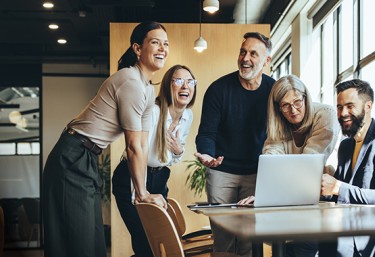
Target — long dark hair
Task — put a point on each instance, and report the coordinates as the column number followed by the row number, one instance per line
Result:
column 129, row 58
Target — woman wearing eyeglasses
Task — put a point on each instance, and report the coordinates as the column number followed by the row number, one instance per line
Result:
column 171, row 121
column 296, row 125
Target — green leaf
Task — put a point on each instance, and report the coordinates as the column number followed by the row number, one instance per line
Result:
column 196, row 179
column 104, row 169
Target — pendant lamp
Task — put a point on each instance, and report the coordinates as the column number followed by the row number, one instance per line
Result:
column 200, row 44
column 211, row 6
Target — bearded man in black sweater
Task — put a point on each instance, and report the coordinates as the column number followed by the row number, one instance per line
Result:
column 232, row 133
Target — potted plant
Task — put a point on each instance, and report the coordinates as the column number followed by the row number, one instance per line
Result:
column 196, row 180
column 104, row 168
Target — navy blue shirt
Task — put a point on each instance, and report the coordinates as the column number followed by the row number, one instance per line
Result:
column 234, row 123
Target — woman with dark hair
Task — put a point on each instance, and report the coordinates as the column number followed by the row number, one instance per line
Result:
column 73, row 225
column 171, row 121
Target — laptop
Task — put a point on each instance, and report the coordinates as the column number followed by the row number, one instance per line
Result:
column 288, row 179
column 283, row 180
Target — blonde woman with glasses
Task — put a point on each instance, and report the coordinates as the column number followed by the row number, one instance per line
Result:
column 296, row 125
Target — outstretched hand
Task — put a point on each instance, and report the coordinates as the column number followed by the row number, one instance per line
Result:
column 208, row 160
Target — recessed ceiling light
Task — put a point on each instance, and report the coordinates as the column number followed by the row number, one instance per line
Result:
column 61, row 41
column 53, row 26
column 48, row 5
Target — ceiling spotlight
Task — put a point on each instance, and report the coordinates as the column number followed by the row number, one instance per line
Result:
column 211, row 6
column 62, row 41
column 48, row 5
column 53, row 26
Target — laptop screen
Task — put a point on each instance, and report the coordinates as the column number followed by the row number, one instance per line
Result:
column 288, row 179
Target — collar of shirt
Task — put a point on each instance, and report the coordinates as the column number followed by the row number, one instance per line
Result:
column 184, row 117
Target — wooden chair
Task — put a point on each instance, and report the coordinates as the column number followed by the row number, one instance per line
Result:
column 193, row 245
column 199, row 235
column 2, row 231
column 162, row 234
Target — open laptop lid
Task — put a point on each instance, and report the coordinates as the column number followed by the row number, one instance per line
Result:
column 288, row 179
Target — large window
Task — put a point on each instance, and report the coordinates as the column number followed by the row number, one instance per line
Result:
column 20, row 161
column 283, row 66
column 367, row 18
column 368, row 73
column 328, row 59
column 345, row 35
column 20, row 148
column 348, row 45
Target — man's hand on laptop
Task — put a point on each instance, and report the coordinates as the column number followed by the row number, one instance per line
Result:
column 247, row 201
column 208, row 160
column 330, row 185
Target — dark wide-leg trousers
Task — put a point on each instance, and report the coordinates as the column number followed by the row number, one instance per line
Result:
column 73, row 225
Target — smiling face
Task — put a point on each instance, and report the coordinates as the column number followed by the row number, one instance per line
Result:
column 351, row 111
column 288, row 108
column 183, row 94
column 153, row 52
column 252, row 58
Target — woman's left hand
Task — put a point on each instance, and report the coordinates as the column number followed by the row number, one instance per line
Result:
column 174, row 143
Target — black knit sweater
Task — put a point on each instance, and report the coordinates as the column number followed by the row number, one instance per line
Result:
column 234, row 123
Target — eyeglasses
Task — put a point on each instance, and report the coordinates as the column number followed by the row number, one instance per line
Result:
column 296, row 104
column 180, row 82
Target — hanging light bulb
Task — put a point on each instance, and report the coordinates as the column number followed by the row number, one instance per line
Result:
column 200, row 44
column 211, row 6
column 22, row 123
column 15, row 117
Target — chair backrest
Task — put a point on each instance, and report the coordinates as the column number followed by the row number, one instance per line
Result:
column 2, row 231
column 160, row 231
column 179, row 215
column 173, row 216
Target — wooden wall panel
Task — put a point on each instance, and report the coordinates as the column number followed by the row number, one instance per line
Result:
column 220, row 58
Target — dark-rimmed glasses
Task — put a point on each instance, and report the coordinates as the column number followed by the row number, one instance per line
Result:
column 180, row 82
column 296, row 104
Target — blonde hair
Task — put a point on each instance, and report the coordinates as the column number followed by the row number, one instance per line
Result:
column 164, row 100
column 278, row 127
